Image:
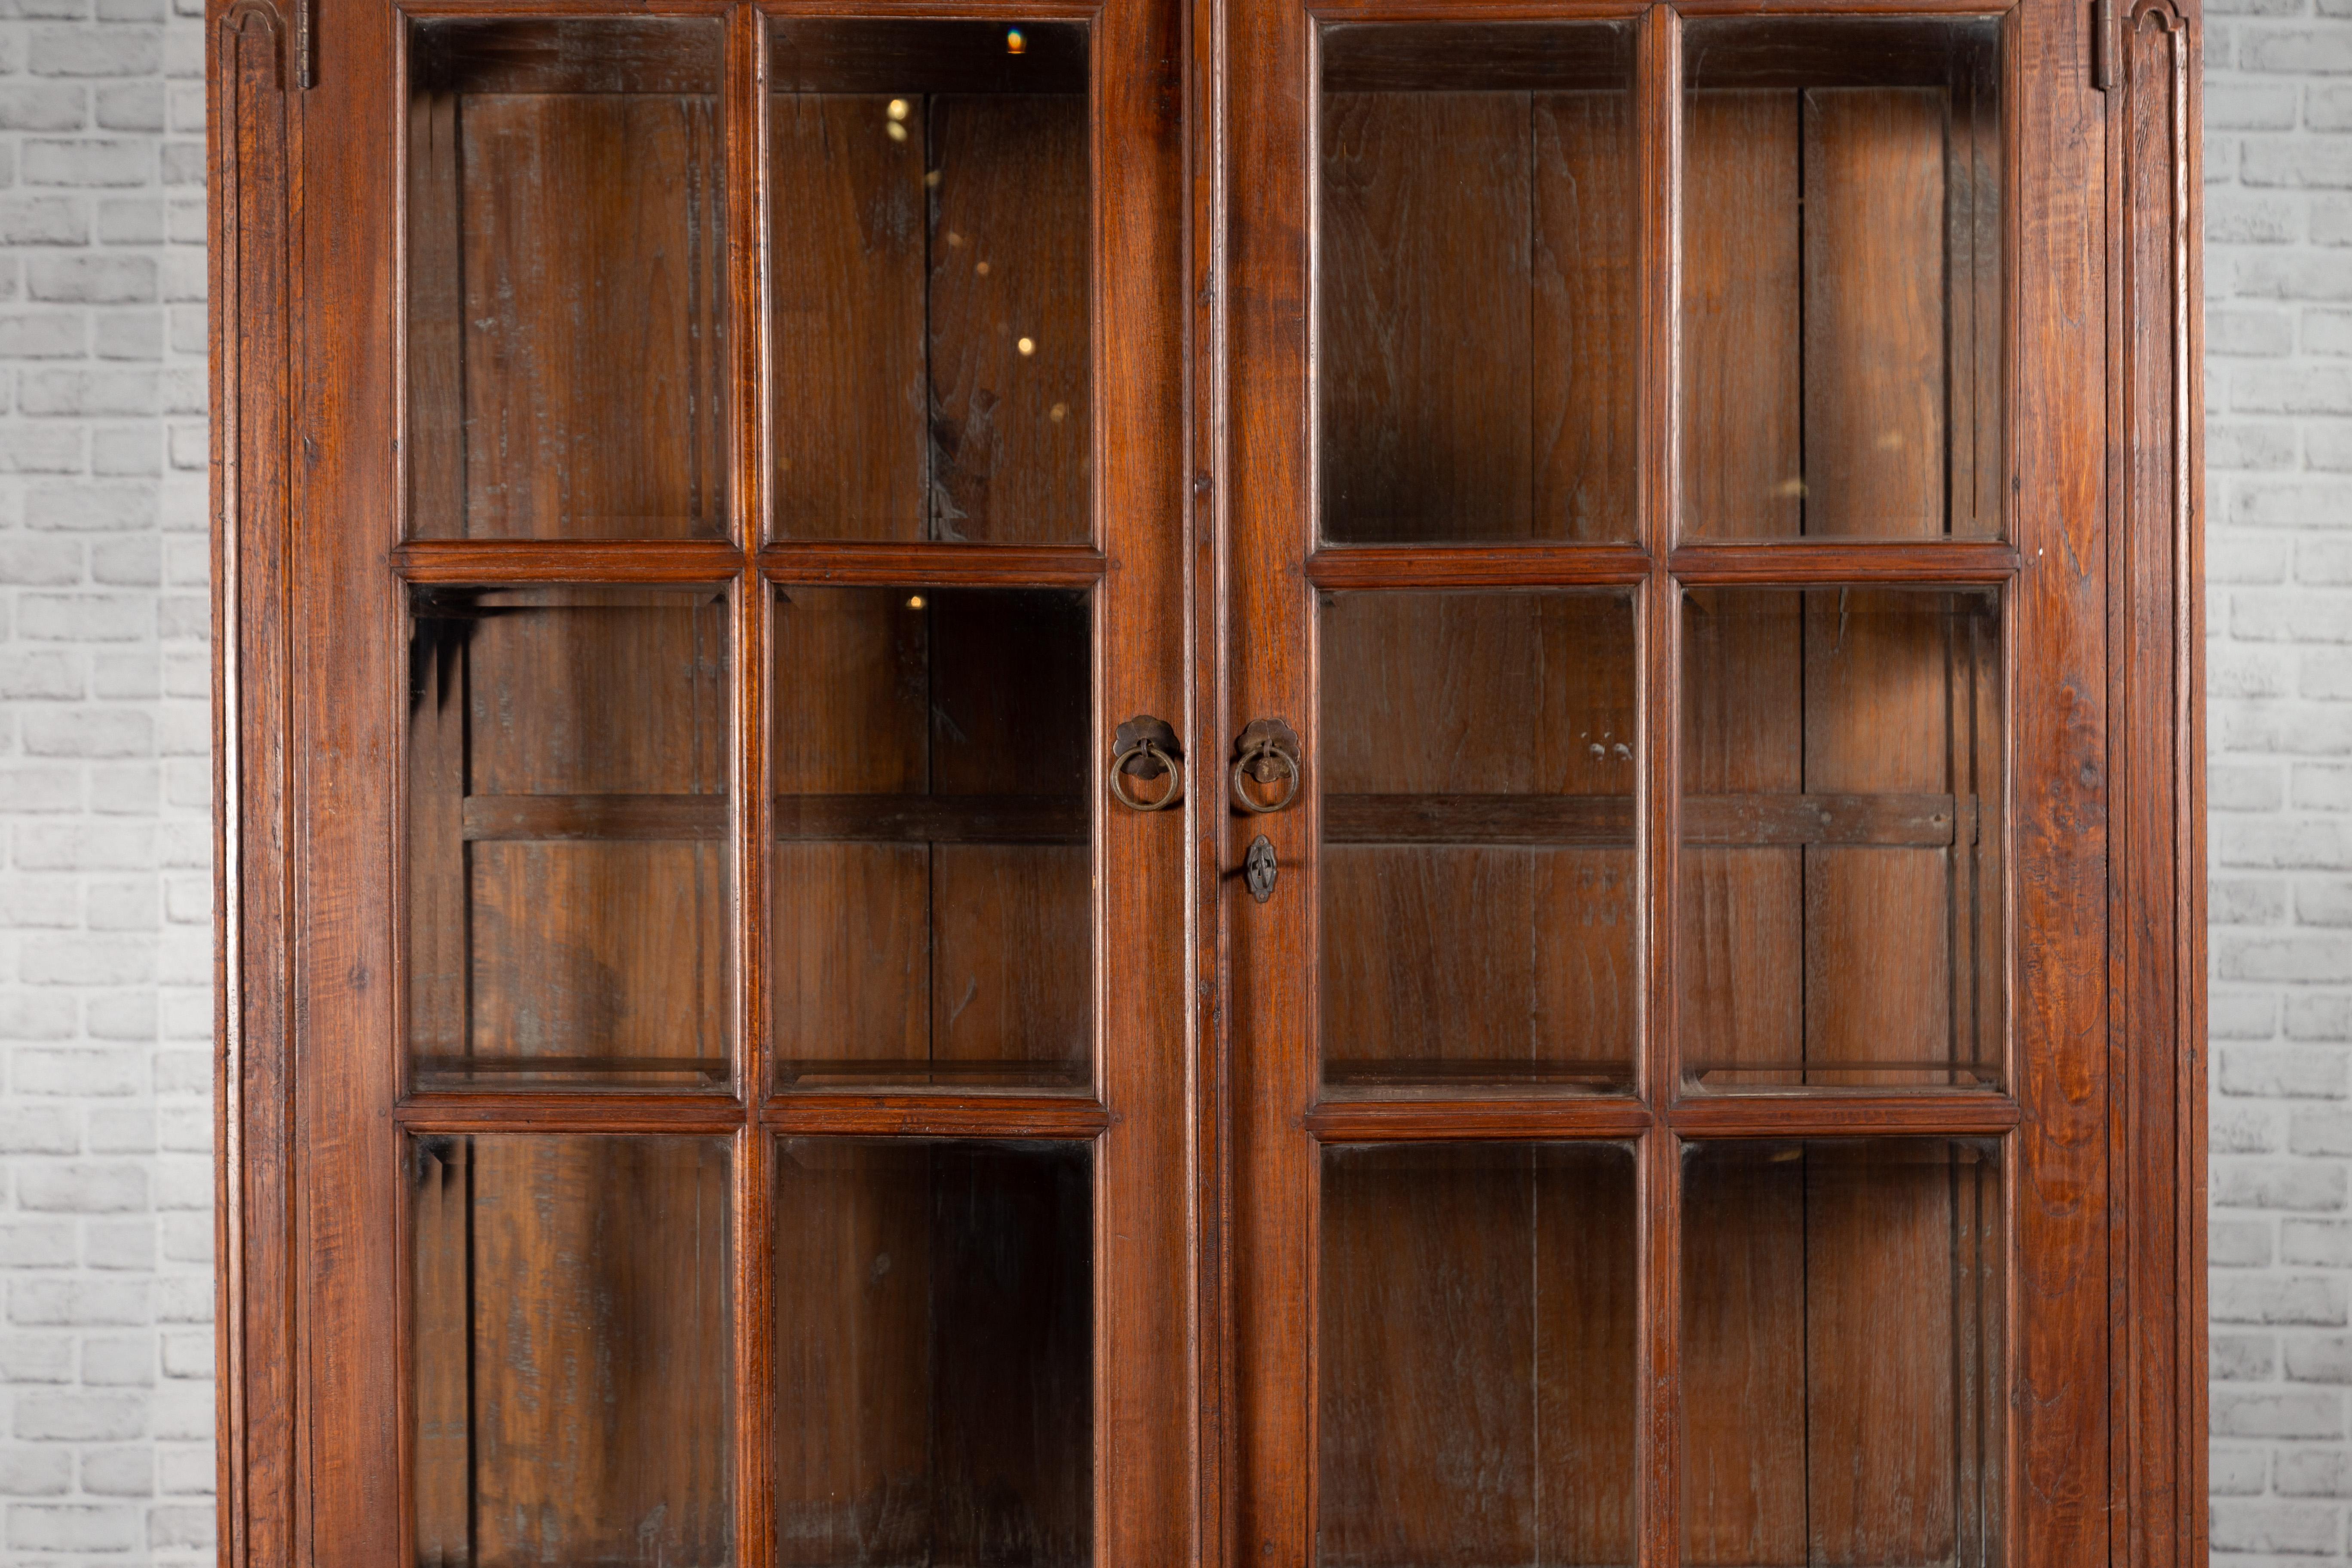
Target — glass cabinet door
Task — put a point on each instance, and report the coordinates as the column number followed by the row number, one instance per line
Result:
column 791, row 1071
column 1649, row 556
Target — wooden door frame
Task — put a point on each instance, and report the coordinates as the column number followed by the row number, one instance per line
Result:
column 302, row 361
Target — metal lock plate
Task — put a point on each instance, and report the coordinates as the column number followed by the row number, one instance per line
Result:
column 1258, row 868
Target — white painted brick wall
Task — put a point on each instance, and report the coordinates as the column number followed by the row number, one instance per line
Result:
column 105, row 935
column 105, row 1190
column 2278, row 108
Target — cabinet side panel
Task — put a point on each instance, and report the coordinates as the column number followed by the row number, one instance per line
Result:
column 2158, row 884
column 249, row 45
column 2062, row 1431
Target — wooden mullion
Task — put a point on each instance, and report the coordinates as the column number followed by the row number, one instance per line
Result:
column 1555, row 1119
column 1475, row 566
column 1845, row 1113
column 886, row 1115
column 575, row 1111
column 1805, row 563
column 747, row 400
column 472, row 561
column 1658, row 1334
column 926, row 564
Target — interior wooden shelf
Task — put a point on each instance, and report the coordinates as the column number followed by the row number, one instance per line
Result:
column 1763, row 820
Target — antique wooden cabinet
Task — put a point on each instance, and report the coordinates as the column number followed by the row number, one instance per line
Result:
column 1394, row 784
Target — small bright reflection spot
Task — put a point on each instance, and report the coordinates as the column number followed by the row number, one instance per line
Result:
column 980, row 267
column 932, row 179
column 1014, row 42
column 955, row 240
column 897, row 131
column 898, row 109
column 1027, row 346
column 1782, row 1156
column 914, row 601
column 1059, row 412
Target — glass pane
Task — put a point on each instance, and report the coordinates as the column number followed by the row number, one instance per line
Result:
column 1842, row 838
column 1475, row 267
column 929, row 268
column 934, row 1355
column 567, row 283
column 933, row 873
column 570, row 1341
column 1842, row 1373
column 1842, row 217
column 568, row 884
column 1476, row 1355
column 1479, row 926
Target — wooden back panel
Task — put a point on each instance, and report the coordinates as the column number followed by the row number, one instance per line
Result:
column 550, row 939
column 574, row 1393
column 904, row 956
column 1477, row 1392
column 1476, row 322
column 1842, row 285
column 567, row 298
column 920, row 240
column 1443, row 959
column 932, row 1363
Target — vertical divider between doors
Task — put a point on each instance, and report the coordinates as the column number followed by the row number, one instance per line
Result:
column 745, row 110
column 1657, row 1415
column 1208, row 1089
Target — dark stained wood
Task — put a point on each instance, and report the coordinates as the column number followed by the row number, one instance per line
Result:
column 1875, row 287
column 1431, row 1117
column 1490, row 1447
column 1584, row 321
column 2157, row 1047
column 847, row 281
column 1477, row 56
column 932, row 1353
column 1471, row 566
column 923, row 55
column 1741, row 406
column 1425, row 321
column 2060, row 865
column 1477, row 323
column 469, row 562
column 1009, row 264
column 1796, row 562
column 609, row 54
column 595, row 1299
column 1201, row 1006
column 255, row 770
column 605, row 144
column 1857, row 50
column 1476, row 947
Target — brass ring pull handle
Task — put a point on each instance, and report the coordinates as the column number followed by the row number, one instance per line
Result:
column 1267, row 752
column 1146, row 747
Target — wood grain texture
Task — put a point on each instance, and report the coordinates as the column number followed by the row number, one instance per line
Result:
column 1841, row 1305
column 1508, row 1443
column 589, row 251
column 1009, row 264
column 1844, row 266
column 1425, row 311
column 1875, row 297
column 1488, row 954
column 1476, row 315
column 2093, row 1453
column 2157, row 1033
column 931, row 952
column 932, row 1353
column 593, row 1353
column 1742, row 405
column 847, row 277
column 583, row 947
